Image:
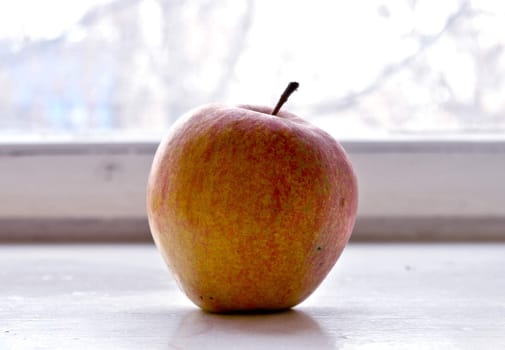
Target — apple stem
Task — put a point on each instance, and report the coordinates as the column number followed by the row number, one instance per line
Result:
column 285, row 95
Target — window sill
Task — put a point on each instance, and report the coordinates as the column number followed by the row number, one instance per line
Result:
column 378, row 295
column 409, row 190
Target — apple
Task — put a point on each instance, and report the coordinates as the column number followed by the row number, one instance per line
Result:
column 249, row 207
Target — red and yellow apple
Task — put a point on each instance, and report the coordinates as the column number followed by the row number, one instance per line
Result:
column 250, row 210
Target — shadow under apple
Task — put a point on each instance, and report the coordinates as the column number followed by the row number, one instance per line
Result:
column 290, row 329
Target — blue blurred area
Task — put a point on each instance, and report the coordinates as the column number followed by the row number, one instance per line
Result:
column 62, row 93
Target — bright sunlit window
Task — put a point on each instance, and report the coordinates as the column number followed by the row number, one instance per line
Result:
column 367, row 69
column 414, row 90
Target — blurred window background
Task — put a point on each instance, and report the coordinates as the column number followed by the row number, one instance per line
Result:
column 84, row 69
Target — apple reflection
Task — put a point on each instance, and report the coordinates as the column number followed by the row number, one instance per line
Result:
column 285, row 330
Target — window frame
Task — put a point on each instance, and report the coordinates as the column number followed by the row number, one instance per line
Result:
column 95, row 191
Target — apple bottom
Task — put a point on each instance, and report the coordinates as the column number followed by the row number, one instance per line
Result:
column 236, row 276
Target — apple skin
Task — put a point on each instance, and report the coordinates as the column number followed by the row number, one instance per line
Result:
column 250, row 211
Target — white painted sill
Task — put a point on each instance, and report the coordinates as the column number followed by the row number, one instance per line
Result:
column 378, row 296
column 94, row 191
